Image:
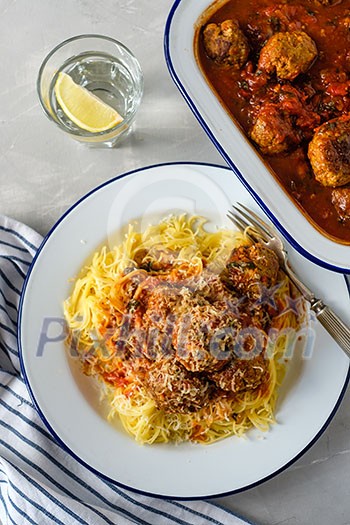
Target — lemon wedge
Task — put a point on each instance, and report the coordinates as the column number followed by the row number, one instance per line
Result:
column 83, row 107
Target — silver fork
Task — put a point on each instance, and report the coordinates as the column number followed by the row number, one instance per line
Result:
column 258, row 231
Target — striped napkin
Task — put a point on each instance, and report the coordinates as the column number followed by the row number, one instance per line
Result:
column 39, row 482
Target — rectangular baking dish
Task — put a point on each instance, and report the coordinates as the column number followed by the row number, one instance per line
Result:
column 235, row 148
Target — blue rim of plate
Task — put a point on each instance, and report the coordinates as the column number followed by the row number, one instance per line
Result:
column 54, row 433
column 227, row 157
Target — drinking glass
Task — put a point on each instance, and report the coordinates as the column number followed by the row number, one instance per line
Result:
column 105, row 67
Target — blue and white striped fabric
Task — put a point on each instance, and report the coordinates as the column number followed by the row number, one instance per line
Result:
column 40, row 484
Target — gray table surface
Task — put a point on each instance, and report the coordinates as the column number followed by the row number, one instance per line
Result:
column 42, row 172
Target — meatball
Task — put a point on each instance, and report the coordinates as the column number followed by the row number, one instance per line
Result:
column 160, row 303
column 273, row 130
column 226, row 43
column 329, row 152
column 341, row 202
column 288, row 54
column 251, row 267
column 242, row 374
column 174, row 389
column 204, row 335
column 208, row 287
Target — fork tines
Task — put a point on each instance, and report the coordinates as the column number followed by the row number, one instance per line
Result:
column 250, row 223
column 238, row 221
column 243, row 226
column 254, row 219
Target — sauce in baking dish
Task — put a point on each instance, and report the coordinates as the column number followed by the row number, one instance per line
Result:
column 281, row 91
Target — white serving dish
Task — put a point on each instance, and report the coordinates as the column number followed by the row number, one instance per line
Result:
column 235, row 147
column 68, row 402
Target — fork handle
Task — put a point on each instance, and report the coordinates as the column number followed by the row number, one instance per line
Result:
column 333, row 324
column 303, row 289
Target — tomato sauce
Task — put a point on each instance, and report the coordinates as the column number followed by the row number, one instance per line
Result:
column 320, row 94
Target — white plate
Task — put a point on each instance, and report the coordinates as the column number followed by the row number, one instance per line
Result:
column 68, row 402
column 233, row 145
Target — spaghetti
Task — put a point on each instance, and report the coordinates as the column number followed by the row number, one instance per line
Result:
column 186, row 330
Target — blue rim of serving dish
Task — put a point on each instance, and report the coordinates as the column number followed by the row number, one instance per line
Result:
column 53, row 432
column 227, row 157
